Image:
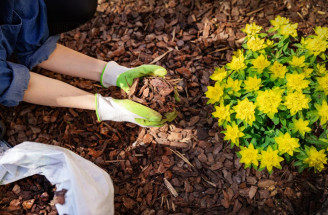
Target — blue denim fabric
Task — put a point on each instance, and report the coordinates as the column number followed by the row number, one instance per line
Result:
column 23, row 32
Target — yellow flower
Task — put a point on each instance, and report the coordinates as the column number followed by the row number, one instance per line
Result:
column 289, row 30
column 245, row 111
column 298, row 61
column 252, row 83
column 239, row 54
column 279, row 21
column 214, row 93
column 233, row 84
column 323, row 84
column 307, row 72
column 321, row 69
column 316, row 159
column 278, row 70
column 222, row 113
column 296, row 82
column 256, row 44
column 322, row 112
column 268, row 101
column 296, row 101
column 252, row 29
column 233, row 133
column 269, row 43
column 249, row 155
column 260, row 63
column 301, row 126
column 286, row 143
column 315, row 45
column 219, row 74
column 238, row 61
column 270, row 159
column 322, row 32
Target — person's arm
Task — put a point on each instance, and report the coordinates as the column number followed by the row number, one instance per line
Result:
column 70, row 62
column 51, row 92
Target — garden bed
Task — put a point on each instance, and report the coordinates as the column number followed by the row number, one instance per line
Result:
column 189, row 38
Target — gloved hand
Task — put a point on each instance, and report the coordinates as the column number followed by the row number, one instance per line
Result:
column 124, row 110
column 116, row 75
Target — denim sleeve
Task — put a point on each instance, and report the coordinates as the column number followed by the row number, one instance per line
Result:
column 38, row 54
column 14, row 80
column 33, row 43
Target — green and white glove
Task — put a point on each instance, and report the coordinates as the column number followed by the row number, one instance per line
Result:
column 115, row 75
column 125, row 110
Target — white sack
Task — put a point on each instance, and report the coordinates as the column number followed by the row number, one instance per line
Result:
column 89, row 188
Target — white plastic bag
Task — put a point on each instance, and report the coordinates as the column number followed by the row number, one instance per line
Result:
column 89, row 188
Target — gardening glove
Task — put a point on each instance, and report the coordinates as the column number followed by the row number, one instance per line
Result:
column 125, row 110
column 116, row 75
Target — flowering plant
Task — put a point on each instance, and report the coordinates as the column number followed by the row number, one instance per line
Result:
column 271, row 99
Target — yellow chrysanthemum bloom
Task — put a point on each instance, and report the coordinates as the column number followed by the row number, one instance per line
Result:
column 252, row 29
column 268, row 101
column 256, row 44
column 233, row 84
column 297, row 61
column 222, row 113
column 296, row 82
column 323, row 84
column 252, row 83
column 270, row 159
column 287, row 144
column 214, row 93
column 249, row 155
column 260, row 63
column 237, row 62
column 278, row 70
column 296, row 101
column 219, row 74
column 322, row 112
column 321, row 69
column 315, row 45
column 316, row 159
column 279, row 21
column 233, row 133
column 322, row 32
column 301, row 126
column 245, row 111
column 307, row 72
column 289, row 30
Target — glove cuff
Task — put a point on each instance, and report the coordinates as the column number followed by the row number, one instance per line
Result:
column 97, row 105
column 110, row 74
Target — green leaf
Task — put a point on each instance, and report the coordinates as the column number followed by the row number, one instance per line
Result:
column 322, row 56
column 263, row 35
column 275, row 120
column 285, row 47
column 313, row 58
column 298, row 163
column 287, row 157
column 300, row 169
column 270, row 30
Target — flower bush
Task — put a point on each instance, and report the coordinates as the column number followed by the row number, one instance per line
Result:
column 271, row 99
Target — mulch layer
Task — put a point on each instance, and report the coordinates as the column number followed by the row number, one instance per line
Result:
column 184, row 167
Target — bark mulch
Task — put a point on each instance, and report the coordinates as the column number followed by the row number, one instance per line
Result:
column 184, row 167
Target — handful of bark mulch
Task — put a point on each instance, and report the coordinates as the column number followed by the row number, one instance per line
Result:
column 156, row 93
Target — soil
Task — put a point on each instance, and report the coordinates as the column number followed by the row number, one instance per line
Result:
column 184, row 167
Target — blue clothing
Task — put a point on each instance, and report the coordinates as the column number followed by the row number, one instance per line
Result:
column 24, row 33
